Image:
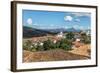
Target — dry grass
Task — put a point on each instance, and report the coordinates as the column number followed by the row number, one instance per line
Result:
column 83, row 52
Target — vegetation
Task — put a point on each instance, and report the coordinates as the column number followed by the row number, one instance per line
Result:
column 27, row 45
column 85, row 38
column 64, row 43
column 70, row 36
column 48, row 45
column 39, row 47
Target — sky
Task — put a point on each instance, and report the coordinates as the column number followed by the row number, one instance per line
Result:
column 54, row 20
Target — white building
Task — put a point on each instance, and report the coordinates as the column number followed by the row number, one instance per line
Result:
column 60, row 35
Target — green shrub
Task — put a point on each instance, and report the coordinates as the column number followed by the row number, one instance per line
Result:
column 70, row 36
column 57, row 44
column 27, row 45
column 85, row 38
column 48, row 44
column 33, row 47
column 65, row 44
column 39, row 47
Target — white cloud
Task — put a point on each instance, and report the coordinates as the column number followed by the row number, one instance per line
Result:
column 78, row 20
column 68, row 18
column 29, row 21
column 65, row 27
column 79, row 14
column 35, row 24
column 51, row 25
column 78, row 27
column 81, row 28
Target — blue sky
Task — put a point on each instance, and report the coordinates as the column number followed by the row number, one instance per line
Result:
column 53, row 20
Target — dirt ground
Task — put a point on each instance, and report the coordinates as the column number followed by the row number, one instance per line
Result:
column 83, row 52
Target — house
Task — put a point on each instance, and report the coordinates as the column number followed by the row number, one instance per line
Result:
column 60, row 35
column 55, row 39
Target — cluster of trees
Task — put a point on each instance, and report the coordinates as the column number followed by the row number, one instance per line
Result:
column 64, row 43
column 48, row 45
column 85, row 38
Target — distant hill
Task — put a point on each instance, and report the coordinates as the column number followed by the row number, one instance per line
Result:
column 73, row 30
column 32, row 32
column 56, row 30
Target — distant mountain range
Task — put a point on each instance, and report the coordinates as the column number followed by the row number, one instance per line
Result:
column 32, row 32
column 73, row 30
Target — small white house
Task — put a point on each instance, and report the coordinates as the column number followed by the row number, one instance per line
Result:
column 60, row 35
column 77, row 40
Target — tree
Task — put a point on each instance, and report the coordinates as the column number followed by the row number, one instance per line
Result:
column 85, row 38
column 65, row 44
column 70, row 36
column 57, row 44
column 27, row 45
column 48, row 44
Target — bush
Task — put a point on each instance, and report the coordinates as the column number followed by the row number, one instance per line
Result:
column 48, row 44
column 33, row 47
column 85, row 38
column 27, row 45
column 57, row 44
column 65, row 44
column 39, row 47
column 70, row 36
column 24, row 46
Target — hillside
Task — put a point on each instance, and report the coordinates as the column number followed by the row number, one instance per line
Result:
column 80, row 53
column 31, row 32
